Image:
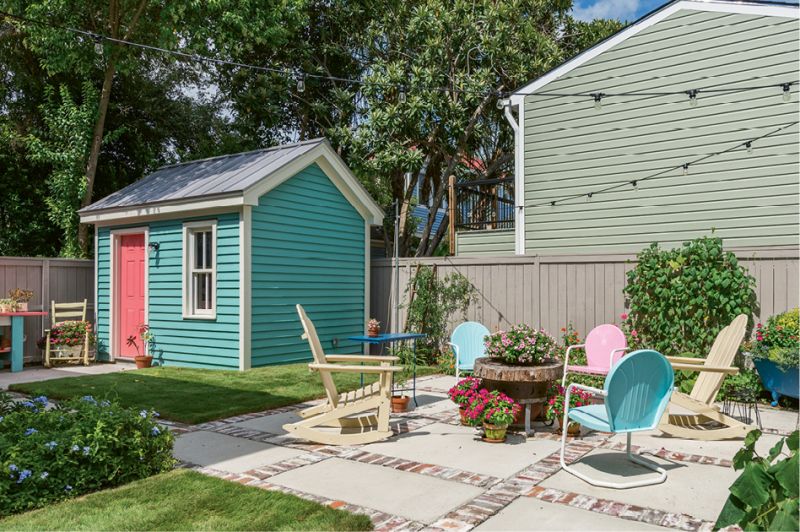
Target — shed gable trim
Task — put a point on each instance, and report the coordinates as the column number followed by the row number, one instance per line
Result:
column 647, row 21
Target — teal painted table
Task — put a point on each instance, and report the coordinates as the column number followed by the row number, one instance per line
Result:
column 17, row 321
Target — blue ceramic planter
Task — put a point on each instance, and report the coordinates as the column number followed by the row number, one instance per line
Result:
column 777, row 381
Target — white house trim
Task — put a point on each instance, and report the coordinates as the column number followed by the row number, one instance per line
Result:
column 186, row 292
column 744, row 8
column 519, row 182
column 164, row 211
column 113, row 249
column 367, row 265
column 245, row 303
column 96, row 307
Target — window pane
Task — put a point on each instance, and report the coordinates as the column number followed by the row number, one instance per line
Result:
column 201, row 291
column 198, row 250
column 209, row 250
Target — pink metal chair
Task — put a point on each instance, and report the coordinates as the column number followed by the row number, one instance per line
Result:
column 605, row 345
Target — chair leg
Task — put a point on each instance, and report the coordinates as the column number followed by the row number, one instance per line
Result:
column 662, row 475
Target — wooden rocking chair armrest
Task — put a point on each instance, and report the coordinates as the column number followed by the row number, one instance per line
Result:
column 686, row 360
column 710, row 369
column 360, row 358
column 336, row 368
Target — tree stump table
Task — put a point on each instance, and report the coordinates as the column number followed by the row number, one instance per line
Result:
column 525, row 384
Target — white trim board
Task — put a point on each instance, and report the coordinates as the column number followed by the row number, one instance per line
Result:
column 245, row 286
column 186, row 270
column 113, row 248
column 718, row 6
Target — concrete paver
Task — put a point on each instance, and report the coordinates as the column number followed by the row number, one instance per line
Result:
column 461, row 448
column 272, row 423
column 527, row 513
column 694, row 489
column 409, row 495
column 656, row 439
column 438, row 384
column 228, row 453
column 39, row 374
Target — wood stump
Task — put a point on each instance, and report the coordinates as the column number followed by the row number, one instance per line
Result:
column 521, row 383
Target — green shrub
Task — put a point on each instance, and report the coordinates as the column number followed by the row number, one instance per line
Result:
column 681, row 298
column 765, row 496
column 778, row 340
column 48, row 452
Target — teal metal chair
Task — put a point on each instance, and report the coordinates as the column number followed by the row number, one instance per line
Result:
column 637, row 391
column 467, row 342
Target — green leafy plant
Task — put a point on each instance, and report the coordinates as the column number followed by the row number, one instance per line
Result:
column 778, row 340
column 681, row 298
column 70, row 333
column 433, row 300
column 744, row 386
column 765, row 496
column 49, row 452
column 556, row 398
column 464, row 391
column 521, row 345
column 20, row 295
column 495, row 408
column 569, row 336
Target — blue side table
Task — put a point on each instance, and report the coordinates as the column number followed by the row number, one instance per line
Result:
column 16, row 321
column 390, row 338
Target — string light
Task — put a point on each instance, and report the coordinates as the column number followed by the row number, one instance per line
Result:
column 749, row 146
column 684, row 167
column 401, row 94
column 598, row 97
column 98, row 46
column 301, row 83
column 589, row 197
column 787, row 92
column 692, row 97
column 501, row 104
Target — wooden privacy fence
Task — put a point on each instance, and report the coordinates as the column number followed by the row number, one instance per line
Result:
column 62, row 280
column 551, row 291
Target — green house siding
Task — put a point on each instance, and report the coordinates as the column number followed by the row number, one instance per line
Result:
column 571, row 148
column 180, row 341
column 307, row 247
column 476, row 243
column 103, row 274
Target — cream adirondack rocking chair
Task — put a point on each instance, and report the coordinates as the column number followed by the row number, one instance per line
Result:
column 363, row 414
column 700, row 401
column 65, row 312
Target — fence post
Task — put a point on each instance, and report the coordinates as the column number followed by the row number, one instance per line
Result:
column 45, row 294
column 451, row 205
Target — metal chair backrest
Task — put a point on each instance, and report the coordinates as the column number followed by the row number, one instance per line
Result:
column 639, row 388
column 722, row 353
column 310, row 334
column 600, row 342
column 469, row 337
column 67, row 311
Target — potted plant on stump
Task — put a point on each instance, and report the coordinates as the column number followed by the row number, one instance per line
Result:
column 494, row 411
column 462, row 393
column 143, row 359
column 554, row 411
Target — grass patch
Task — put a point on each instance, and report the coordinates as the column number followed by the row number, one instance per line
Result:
column 197, row 395
column 186, row 500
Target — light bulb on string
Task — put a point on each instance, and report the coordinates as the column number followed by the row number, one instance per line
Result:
column 98, row 46
column 685, row 168
column 589, row 197
column 598, row 97
column 749, row 146
column 692, row 97
column 552, row 203
column 301, row 84
column 787, row 92
column 401, row 94
column 501, row 104
column 635, row 185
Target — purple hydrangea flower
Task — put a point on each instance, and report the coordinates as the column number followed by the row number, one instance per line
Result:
column 143, row 413
column 12, row 467
column 155, row 431
column 44, row 475
column 75, row 448
column 67, row 488
column 51, row 445
column 86, row 450
column 30, row 431
column 25, row 473
column 41, row 399
column 89, row 399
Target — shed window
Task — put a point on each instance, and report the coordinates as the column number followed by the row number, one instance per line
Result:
column 200, row 270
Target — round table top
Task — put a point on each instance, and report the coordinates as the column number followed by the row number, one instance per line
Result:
column 489, row 368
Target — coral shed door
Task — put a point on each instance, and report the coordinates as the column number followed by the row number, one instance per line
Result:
column 130, row 288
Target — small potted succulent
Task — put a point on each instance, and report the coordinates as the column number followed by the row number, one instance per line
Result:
column 462, row 393
column 8, row 305
column 373, row 328
column 495, row 411
column 554, row 410
column 22, row 297
column 143, row 359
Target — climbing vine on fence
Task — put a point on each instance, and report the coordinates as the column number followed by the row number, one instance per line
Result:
column 681, row 298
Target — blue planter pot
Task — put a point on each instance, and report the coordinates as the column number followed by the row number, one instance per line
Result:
column 778, row 382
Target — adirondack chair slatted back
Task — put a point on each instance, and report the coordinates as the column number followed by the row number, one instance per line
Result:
column 722, row 353
column 67, row 311
column 600, row 342
column 319, row 354
column 469, row 337
column 639, row 388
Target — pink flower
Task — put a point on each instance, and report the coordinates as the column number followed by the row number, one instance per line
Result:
column 634, row 333
column 623, row 316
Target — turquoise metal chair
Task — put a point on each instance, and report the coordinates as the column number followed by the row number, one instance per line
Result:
column 467, row 342
column 637, row 391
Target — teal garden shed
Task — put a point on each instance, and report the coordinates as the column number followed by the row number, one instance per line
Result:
column 214, row 254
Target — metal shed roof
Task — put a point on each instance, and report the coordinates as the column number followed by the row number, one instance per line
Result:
column 216, row 176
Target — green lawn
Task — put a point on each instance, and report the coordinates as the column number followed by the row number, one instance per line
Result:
column 198, row 395
column 186, row 500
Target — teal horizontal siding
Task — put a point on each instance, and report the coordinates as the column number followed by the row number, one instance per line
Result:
column 179, row 341
column 307, row 248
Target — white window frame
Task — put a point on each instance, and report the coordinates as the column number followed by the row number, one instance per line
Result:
column 189, row 229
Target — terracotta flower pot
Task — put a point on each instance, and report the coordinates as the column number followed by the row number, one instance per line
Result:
column 494, row 433
column 22, row 306
column 573, row 430
column 143, row 361
column 400, row 403
column 462, row 415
